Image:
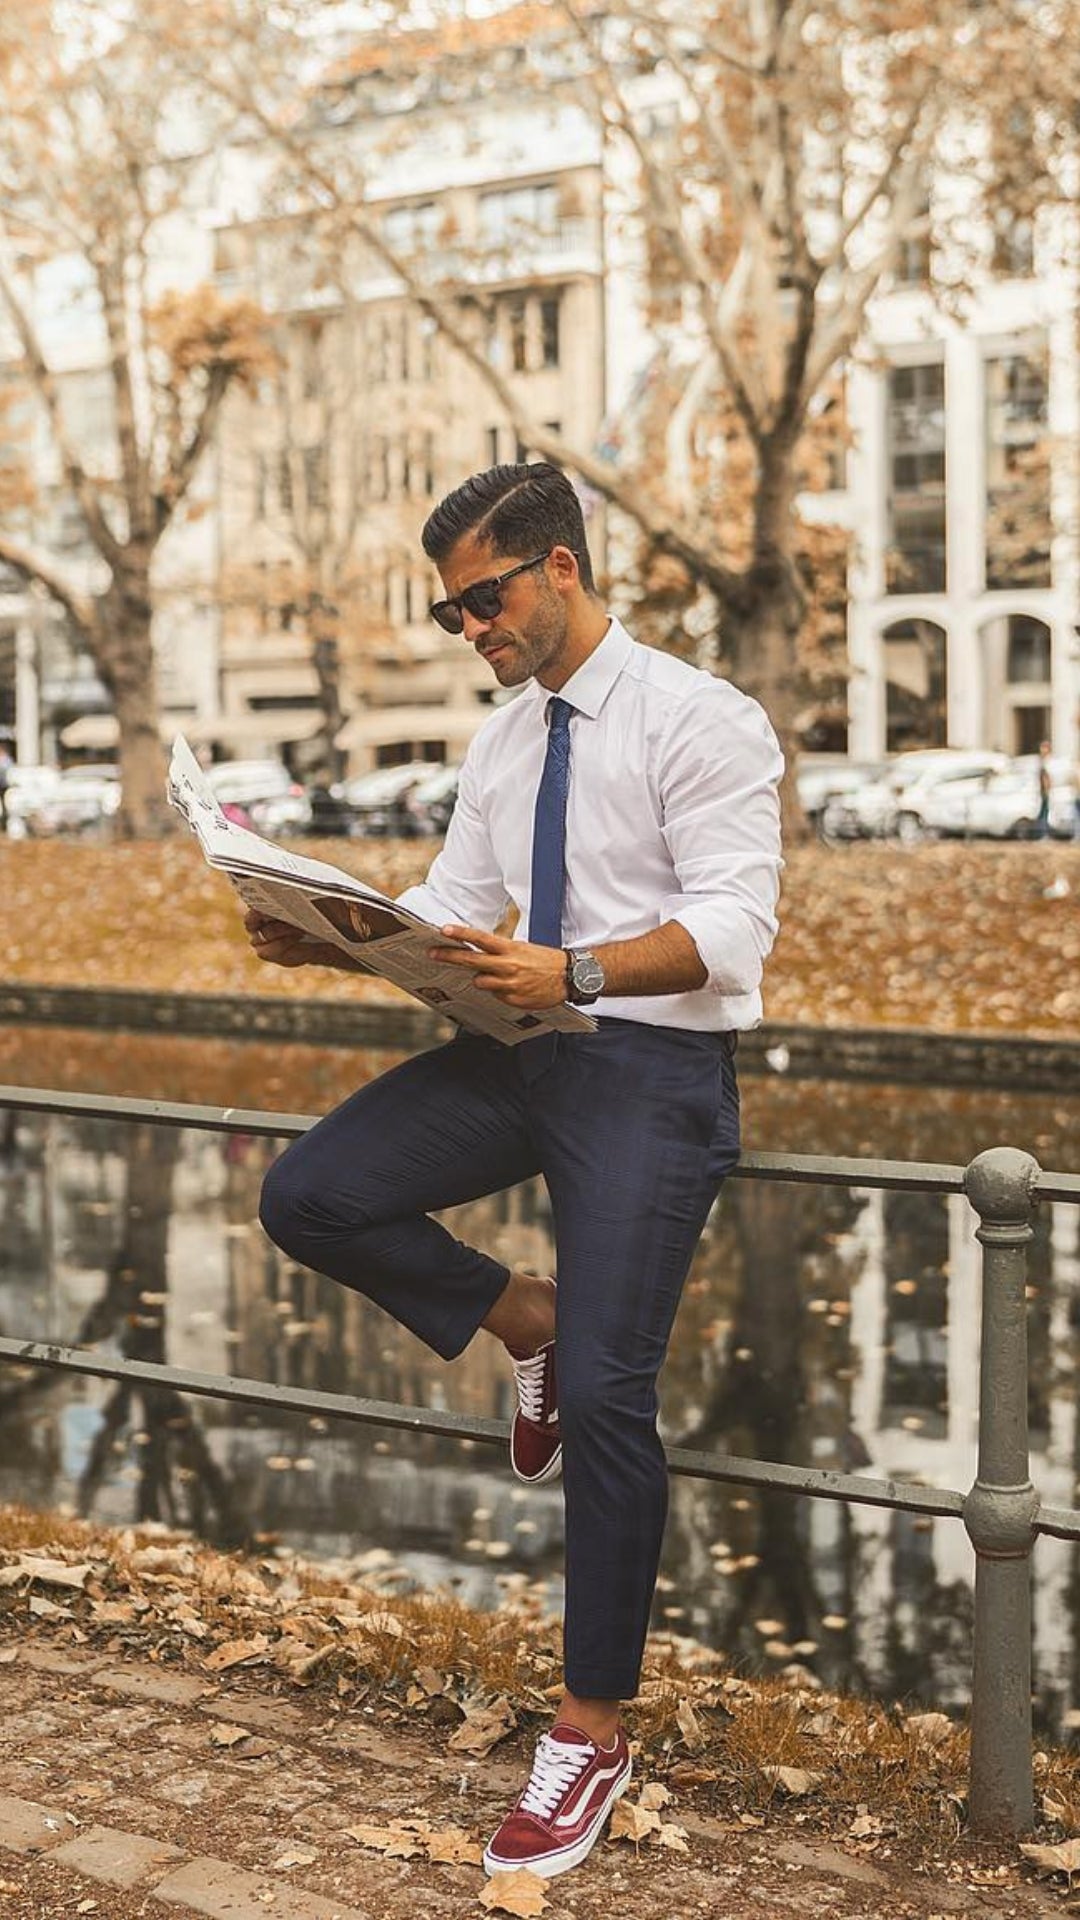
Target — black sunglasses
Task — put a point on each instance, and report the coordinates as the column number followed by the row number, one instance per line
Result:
column 483, row 599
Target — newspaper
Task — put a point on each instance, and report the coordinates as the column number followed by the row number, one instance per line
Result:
column 327, row 905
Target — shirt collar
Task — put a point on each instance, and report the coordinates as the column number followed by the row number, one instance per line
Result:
column 588, row 688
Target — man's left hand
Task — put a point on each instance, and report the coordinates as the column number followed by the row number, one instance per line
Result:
column 515, row 971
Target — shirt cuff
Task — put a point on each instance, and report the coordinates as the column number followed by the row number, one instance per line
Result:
column 731, row 954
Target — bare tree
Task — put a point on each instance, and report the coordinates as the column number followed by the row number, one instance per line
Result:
column 774, row 156
column 97, row 165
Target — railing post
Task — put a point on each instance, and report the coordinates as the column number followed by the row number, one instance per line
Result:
column 1000, row 1510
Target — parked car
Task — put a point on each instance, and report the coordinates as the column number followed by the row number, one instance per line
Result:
column 820, row 778
column 429, row 805
column 77, row 804
column 245, row 781
column 26, row 787
column 377, row 800
column 894, row 804
column 1003, row 805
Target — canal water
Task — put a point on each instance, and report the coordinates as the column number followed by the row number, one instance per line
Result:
column 820, row 1326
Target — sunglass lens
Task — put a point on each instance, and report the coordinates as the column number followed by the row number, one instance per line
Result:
column 484, row 601
column 448, row 616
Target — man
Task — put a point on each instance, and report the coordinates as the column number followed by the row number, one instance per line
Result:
column 626, row 804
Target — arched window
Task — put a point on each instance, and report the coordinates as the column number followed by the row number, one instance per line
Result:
column 1029, row 650
column 915, row 685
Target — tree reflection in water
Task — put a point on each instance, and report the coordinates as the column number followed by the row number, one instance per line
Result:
column 819, row 1326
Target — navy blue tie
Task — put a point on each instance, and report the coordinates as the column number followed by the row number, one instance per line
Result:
column 549, row 832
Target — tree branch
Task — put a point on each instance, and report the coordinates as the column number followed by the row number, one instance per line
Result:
column 74, row 473
column 40, row 569
column 175, row 484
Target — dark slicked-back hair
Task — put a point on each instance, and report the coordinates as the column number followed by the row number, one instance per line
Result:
column 516, row 511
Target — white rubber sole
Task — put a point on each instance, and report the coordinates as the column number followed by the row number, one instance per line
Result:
column 549, row 1864
column 550, row 1472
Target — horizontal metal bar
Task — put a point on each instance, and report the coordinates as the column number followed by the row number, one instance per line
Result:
column 725, row 1467
column 1061, row 1523
column 166, row 1113
column 914, row 1176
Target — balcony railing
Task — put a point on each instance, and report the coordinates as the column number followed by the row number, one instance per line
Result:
column 1002, row 1512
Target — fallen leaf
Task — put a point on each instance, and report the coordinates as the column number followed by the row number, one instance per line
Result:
column 654, row 1794
column 232, row 1652
column 522, row 1893
column 397, row 1843
column 295, row 1857
column 53, row 1573
column 632, row 1821
column 690, row 1727
column 1062, row 1858
column 674, row 1837
column 86, row 1906
column 452, row 1847
column 8, row 1655
column 380, row 1621
column 224, row 1734
column 794, row 1780
column 483, row 1728
column 930, row 1729
column 42, row 1609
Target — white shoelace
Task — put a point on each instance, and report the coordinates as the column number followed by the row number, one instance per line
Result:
column 556, row 1767
column 529, row 1375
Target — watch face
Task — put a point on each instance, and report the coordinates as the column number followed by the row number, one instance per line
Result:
column 588, row 974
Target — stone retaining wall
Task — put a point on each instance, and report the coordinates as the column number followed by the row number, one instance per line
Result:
column 909, row 1055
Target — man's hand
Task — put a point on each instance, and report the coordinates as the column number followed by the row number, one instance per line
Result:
column 286, row 946
column 516, row 972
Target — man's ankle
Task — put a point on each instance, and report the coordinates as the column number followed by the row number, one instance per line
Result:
column 523, row 1317
column 599, row 1719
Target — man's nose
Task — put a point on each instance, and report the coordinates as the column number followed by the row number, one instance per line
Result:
column 473, row 628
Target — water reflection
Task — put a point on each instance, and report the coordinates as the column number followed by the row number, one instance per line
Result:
column 836, row 1327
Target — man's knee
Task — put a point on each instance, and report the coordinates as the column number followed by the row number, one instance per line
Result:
column 292, row 1205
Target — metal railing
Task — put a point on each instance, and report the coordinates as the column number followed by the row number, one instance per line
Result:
column 1002, row 1511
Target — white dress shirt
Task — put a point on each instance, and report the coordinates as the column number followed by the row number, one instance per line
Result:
column 673, row 814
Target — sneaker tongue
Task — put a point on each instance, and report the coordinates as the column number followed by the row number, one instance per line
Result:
column 565, row 1735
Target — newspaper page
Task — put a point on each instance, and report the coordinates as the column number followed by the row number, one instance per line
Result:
column 329, row 905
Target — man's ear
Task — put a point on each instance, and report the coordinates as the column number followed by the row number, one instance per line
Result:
column 564, row 564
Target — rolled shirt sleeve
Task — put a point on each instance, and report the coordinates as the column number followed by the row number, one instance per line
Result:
column 464, row 883
column 720, row 768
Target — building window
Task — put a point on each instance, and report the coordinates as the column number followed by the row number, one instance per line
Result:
column 411, row 229
column 1018, row 522
column 916, row 441
column 285, row 486
column 549, row 331
column 1029, row 651
column 315, row 478
column 915, row 685
column 518, row 214
column 518, row 319
column 913, row 260
column 1013, row 254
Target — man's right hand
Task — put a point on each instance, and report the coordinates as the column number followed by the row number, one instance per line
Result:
column 286, row 946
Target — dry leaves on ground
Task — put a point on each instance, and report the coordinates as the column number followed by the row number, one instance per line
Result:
column 639, row 1821
column 407, row 1839
column 919, row 965
column 1062, row 1857
column 794, row 1781
column 523, row 1894
column 485, row 1724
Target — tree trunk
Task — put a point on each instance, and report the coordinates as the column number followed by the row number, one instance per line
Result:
column 760, row 628
column 758, row 647
column 125, row 656
column 324, row 627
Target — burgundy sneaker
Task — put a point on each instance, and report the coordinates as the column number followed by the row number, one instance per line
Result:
column 572, row 1788
column 535, row 1441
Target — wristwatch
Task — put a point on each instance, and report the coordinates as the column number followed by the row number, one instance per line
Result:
column 585, row 977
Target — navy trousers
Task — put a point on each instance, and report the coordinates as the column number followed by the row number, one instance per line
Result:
column 633, row 1129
